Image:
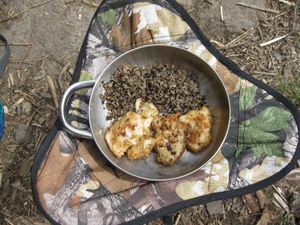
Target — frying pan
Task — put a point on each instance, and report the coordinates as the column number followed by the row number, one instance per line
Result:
column 148, row 168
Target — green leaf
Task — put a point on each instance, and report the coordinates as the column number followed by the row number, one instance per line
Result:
column 271, row 119
column 84, row 75
column 270, row 149
column 109, row 17
column 249, row 135
column 247, row 96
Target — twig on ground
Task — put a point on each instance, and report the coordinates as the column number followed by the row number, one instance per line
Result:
column 260, row 34
column 52, row 90
column 280, row 198
column 264, row 73
column 8, row 221
column 18, row 102
column 295, row 14
column 90, row 3
column 219, row 44
column 272, row 60
column 287, row 2
column 38, row 140
column 209, row 2
column 238, row 38
column 59, row 78
column 221, row 13
column 69, row 1
column 24, row 11
column 31, row 118
column 11, row 79
column 273, row 40
column 279, row 202
column 177, row 219
column 279, row 15
column 29, row 97
column 257, row 7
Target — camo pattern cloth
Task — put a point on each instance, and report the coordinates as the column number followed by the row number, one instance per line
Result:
column 75, row 183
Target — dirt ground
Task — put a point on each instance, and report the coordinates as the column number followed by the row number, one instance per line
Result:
column 45, row 38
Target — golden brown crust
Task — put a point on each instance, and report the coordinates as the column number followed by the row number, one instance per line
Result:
column 199, row 124
column 132, row 132
column 141, row 149
column 170, row 138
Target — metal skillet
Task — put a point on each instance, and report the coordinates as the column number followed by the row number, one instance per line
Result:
column 211, row 87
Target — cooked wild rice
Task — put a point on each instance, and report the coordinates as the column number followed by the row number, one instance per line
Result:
column 170, row 89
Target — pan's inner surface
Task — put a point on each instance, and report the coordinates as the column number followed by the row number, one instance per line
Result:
column 211, row 87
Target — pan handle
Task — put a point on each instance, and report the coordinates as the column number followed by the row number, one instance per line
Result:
column 64, row 100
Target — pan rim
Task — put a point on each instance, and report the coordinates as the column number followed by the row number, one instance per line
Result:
column 94, row 94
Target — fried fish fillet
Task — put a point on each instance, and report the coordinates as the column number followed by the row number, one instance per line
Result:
column 198, row 128
column 132, row 132
column 142, row 148
column 169, row 137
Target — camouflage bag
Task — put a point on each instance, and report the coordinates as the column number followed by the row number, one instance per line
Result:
column 73, row 183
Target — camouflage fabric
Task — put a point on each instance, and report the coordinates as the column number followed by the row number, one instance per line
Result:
column 76, row 185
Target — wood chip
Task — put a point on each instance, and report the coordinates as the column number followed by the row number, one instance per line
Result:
column 221, row 13
column 251, row 201
column 273, row 40
column 8, row 221
column 18, row 102
column 257, row 7
column 52, row 90
column 280, row 202
column 262, row 197
column 265, row 218
column 287, row 2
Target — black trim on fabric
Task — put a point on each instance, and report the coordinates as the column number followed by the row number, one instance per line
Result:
column 43, row 148
column 202, row 199
column 5, row 57
column 36, row 166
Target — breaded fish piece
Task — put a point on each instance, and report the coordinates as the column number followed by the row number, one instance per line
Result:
column 146, row 109
column 141, row 149
column 199, row 124
column 169, row 137
column 132, row 132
